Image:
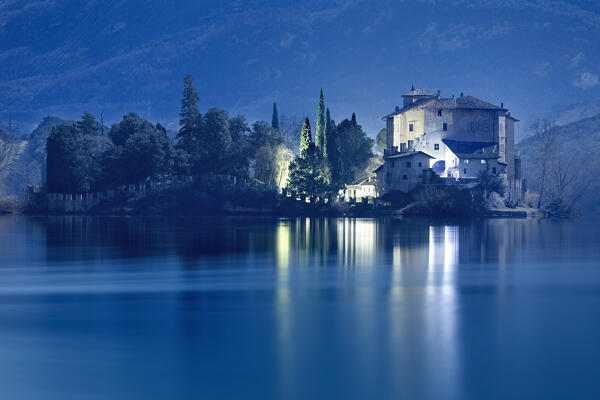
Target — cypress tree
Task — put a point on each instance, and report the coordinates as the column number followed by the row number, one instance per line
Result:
column 320, row 134
column 191, row 118
column 275, row 118
column 326, row 133
column 354, row 123
column 305, row 139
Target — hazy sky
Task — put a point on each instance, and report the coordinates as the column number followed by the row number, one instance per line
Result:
column 63, row 57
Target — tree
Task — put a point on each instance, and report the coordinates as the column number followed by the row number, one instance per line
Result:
column 491, row 183
column 190, row 118
column 146, row 154
column 333, row 151
column 72, row 161
column 240, row 151
column 271, row 165
column 263, row 134
column 129, row 125
column 321, row 127
column 141, row 150
column 546, row 136
column 88, row 124
column 290, row 129
column 9, row 149
column 275, row 118
column 381, row 140
column 309, row 175
column 305, row 138
column 566, row 185
column 355, row 150
column 214, row 142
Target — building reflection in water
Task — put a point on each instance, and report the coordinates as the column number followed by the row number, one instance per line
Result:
column 356, row 241
column 377, row 299
column 283, row 312
column 414, row 265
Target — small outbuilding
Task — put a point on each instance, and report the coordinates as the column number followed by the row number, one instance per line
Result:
column 467, row 160
column 402, row 171
column 363, row 188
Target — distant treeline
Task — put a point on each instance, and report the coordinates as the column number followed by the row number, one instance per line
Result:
column 83, row 156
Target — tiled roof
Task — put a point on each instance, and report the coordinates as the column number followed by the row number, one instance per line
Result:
column 465, row 102
column 432, row 102
column 417, row 103
column 365, row 181
column 464, row 149
column 418, row 92
column 405, row 154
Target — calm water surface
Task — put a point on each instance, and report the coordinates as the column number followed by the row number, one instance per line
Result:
column 139, row 308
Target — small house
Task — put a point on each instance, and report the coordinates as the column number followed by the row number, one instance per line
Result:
column 467, row 160
column 402, row 171
column 363, row 188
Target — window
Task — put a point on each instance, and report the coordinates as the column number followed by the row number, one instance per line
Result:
column 411, row 127
column 465, row 171
column 439, row 113
column 445, row 126
column 436, row 146
column 465, row 161
column 483, row 161
column 420, row 164
column 404, row 177
column 393, row 163
column 408, row 164
column 494, row 170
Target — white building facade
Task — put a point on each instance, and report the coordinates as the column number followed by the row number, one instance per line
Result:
column 426, row 122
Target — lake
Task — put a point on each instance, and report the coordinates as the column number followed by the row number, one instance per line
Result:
column 303, row 308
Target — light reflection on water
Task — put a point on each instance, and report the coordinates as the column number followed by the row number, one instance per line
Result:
column 298, row 308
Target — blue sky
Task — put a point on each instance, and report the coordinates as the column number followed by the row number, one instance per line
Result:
column 63, row 57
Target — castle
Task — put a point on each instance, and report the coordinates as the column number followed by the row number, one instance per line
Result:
column 455, row 138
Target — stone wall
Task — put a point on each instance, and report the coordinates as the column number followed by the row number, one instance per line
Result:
column 73, row 203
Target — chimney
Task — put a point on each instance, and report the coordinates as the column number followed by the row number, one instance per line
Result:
column 502, row 105
column 397, row 108
column 461, row 94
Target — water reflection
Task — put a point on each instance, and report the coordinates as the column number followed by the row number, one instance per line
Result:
column 299, row 241
column 289, row 308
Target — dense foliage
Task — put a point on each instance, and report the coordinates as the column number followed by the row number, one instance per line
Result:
column 339, row 155
column 80, row 158
column 355, row 150
column 309, row 172
column 73, row 161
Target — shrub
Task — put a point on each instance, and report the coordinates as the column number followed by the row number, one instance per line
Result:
column 8, row 204
column 491, row 183
column 446, row 201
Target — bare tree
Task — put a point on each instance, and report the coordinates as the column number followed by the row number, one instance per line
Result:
column 547, row 138
column 565, row 181
column 290, row 127
column 9, row 149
